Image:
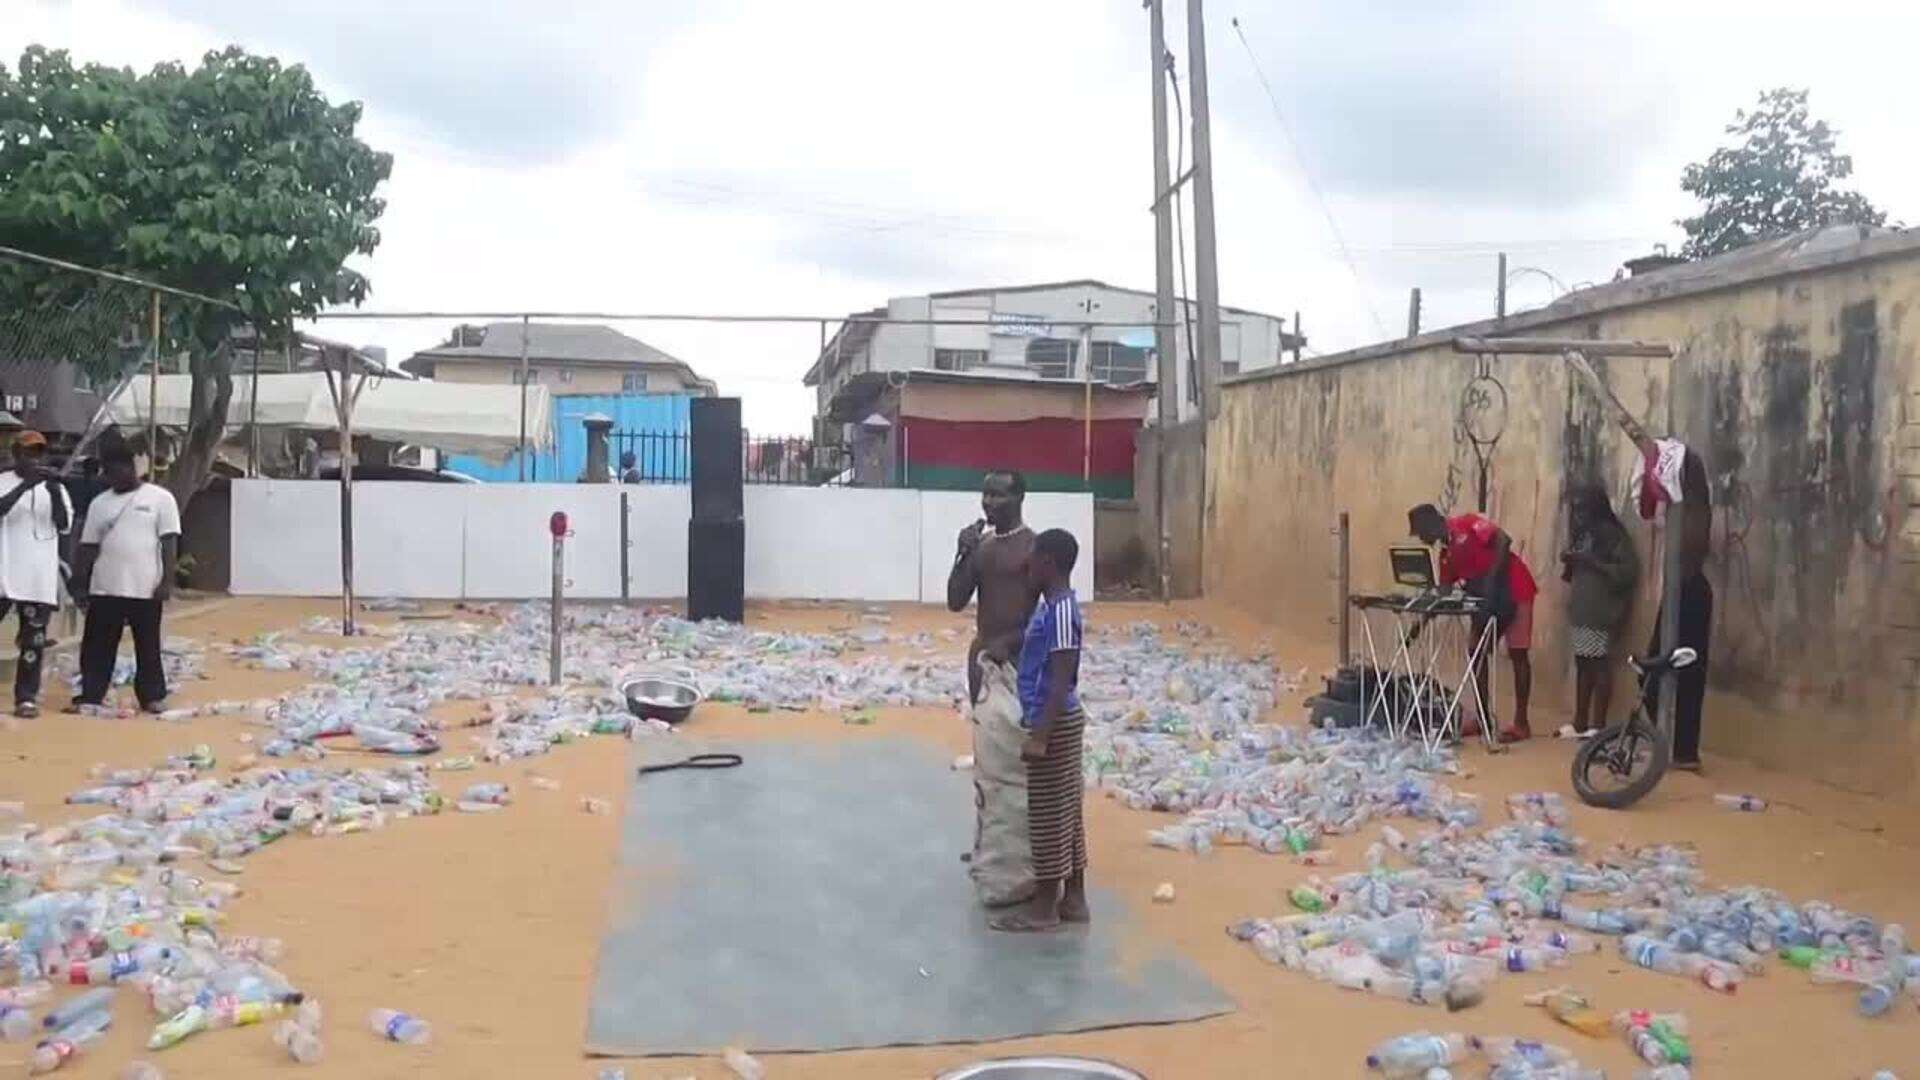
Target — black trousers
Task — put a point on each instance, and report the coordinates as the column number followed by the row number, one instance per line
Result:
column 1690, row 691
column 32, row 641
column 107, row 617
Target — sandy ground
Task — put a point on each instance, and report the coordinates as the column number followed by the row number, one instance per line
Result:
column 488, row 925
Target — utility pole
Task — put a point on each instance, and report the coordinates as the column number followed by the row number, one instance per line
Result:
column 1165, row 346
column 1500, row 290
column 1206, row 266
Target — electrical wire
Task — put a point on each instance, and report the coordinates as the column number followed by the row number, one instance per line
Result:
column 1339, row 241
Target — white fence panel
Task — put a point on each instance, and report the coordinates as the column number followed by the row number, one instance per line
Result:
column 657, row 523
column 832, row 543
column 285, row 538
column 944, row 513
column 409, row 539
column 510, row 551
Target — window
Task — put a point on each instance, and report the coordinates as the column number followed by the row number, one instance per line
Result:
column 634, row 382
column 1119, row 364
column 958, row 359
column 1052, row 357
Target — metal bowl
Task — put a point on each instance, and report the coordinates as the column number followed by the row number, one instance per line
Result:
column 656, row 698
column 1041, row 1068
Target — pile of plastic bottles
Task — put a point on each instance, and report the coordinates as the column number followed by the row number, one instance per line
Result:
column 1523, row 897
column 1425, row 1056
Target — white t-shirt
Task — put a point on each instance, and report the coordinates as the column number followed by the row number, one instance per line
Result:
column 29, row 542
column 128, row 528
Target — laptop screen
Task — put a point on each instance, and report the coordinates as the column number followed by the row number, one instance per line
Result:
column 1412, row 566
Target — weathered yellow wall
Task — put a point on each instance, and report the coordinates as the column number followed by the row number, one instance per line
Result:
column 1803, row 396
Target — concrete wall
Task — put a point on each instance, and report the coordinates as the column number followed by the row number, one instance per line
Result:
column 1185, row 471
column 490, row 541
column 1799, row 391
column 1119, row 556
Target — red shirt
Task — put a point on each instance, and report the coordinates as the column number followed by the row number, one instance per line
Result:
column 1470, row 553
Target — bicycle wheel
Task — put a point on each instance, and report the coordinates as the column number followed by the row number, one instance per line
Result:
column 1617, row 767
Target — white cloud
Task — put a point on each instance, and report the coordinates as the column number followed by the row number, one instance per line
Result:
column 755, row 156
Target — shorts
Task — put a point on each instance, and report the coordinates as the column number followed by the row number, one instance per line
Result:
column 1519, row 633
column 1590, row 643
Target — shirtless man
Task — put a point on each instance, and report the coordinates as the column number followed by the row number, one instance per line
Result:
column 992, row 561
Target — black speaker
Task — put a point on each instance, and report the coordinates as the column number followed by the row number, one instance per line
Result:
column 717, row 459
column 717, row 569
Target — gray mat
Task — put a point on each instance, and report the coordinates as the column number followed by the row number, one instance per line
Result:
column 813, row 899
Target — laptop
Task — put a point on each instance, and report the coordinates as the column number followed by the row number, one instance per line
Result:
column 1412, row 566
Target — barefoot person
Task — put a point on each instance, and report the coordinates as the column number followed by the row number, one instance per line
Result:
column 992, row 561
column 1049, row 674
column 1480, row 555
column 34, row 514
column 1602, row 570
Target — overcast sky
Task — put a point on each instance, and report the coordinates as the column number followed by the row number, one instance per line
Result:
column 766, row 156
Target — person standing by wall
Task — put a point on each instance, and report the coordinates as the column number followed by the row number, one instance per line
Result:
column 991, row 561
column 128, row 549
column 1479, row 555
column 34, row 515
column 1602, row 569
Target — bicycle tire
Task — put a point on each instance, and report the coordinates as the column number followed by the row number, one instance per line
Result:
column 1633, row 792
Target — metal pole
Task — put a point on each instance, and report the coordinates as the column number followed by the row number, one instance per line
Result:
column 559, row 580
column 1165, row 344
column 1670, row 609
column 1413, row 312
column 522, row 455
column 1299, row 338
column 253, row 407
column 153, row 397
column 1500, row 290
column 1086, row 406
column 1346, row 590
column 1205, row 258
column 626, row 545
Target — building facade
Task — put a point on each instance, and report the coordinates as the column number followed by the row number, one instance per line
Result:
column 1028, row 329
column 567, row 358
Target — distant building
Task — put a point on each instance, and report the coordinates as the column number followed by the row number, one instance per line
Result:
column 1027, row 329
column 567, row 358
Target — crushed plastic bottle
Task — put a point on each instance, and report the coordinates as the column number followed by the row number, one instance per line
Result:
column 395, row 1026
column 743, row 1065
column 1749, row 803
column 1571, row 1008
column 1412, row 1055
column 64, row 1045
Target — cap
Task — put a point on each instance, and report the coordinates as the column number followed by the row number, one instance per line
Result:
column 30, row 438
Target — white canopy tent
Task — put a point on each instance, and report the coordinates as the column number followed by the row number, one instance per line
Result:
column 459, row 418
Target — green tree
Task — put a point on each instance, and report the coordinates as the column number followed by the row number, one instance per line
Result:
column 1780, row 179
column 236, row 179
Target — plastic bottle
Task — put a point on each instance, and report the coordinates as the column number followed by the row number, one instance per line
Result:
column 1411, row 1055
column 1660, row 956
column 1517, row 958
column 399, row 1027
column 1307, row 898
column 487, row 793
column 1508, row 1049
column 1893, row 941
column 180, row 1026
column 1572, row 1009
column 60, row 1016
column 1750, row 803
column 301, row 1043
column 1878, row 996
column 63, row 1045
column 743, row 1065
column 16, row 1023
column 1666, row 1072
column 142, row 1070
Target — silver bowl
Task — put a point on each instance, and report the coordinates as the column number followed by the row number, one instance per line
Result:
column 657, row 698
column 1041, row 1068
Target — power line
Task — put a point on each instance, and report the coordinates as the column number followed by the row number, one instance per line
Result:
column 1300, row 158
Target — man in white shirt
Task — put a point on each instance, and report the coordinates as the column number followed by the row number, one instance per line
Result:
column 34, row 514
column 127, row 551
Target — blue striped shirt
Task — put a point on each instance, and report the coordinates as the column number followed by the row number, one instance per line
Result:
column 1055, row 627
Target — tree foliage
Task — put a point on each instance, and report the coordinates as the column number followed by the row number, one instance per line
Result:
column 236, row 179
column 1782, row 177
